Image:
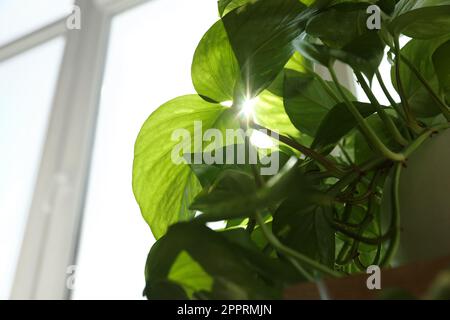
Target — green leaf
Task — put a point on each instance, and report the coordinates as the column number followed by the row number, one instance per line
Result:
column 166, row 290
column 217, row 204
column 229, row 185
column 363, row 151
column 387, row 6
column 423, row 19
column 337, row 124
column 272, row 270
column 215, row 69
column 162, row 188
column 364, row 53
column 190, row 275
column 340, row 24
column 298, row 63
column 270, row 113
column 260, row 239
column 372, row 230
column 441, row 63
column 261, row 36
column 307, row 102
column 420, row 53
column 269, row 110
column 208, row 173
column 317, row 53
column 238, row 270
column 236, row 157
column 305, row 227
column 318, row 4
column 226, row 6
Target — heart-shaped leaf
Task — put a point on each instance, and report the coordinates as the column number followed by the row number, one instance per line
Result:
column 340, row 24
column 337, row 124
column 306, row 100
column 306, row 227
column 190, row 275
column 215, row 69
column 226, row 6
column 261, row 35
column 421, row 19
column 228, row 259
column 228, row 200
column 363, row 151
column 269, row 110
column 441, row 63
column 364, row 53
column 420, row 53
column 270, row 113
column 315, row 52
column 164, row 189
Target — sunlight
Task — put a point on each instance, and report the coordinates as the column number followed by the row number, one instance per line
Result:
column 261, row 140
column 248, row 107
column 227, row 104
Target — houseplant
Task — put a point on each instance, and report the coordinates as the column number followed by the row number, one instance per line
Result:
column 333, row 207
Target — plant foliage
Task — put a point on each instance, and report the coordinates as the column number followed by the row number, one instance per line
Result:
column 320, row 214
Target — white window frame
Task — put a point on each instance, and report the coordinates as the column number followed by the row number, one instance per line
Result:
column 53, row 227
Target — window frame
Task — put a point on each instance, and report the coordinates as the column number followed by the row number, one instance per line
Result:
column 53, row 226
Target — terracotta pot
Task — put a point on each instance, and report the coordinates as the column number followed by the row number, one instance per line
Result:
column 415, row 279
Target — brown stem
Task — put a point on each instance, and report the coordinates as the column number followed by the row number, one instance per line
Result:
column 329, row 165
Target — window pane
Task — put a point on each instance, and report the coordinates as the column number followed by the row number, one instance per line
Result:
column 18, row 17
column 26, row 90
column 149, row 63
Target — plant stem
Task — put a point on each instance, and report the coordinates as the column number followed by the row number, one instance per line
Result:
column 423, row 137
column 328, row 89
column 251, row 225
column 259, row 182
column 329, row 165
column 346, row 154
column 395, row 220
column 441, row 104
column 292, row 253
column 410, row 118
column 371, row 191
column 376, row 260
column 300, row 269
column 387, row 120
column 354, row 235
column 359, row 264
column 344, row 182
column 364, row 126
column 347, row 211
column 353, row 176
column 388, row 95
column 340, row 260
column 324, row 84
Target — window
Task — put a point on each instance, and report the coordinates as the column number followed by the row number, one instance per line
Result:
column 27, row 85
column 148, row 63
column 19, row 17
